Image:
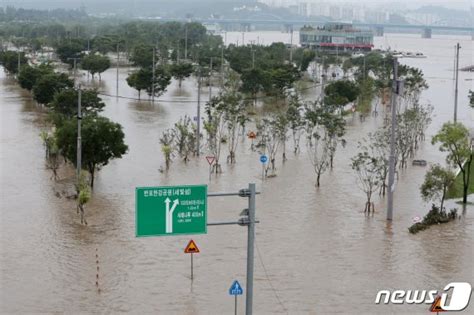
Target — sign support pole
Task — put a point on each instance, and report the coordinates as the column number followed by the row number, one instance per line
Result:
column 235, row 305
column 192, row 267
column 250, row 250
column 210, row 171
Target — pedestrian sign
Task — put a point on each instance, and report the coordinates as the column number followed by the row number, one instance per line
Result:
column 191, row 248
column 263, row 158
column 235, row 288
column 171, row 210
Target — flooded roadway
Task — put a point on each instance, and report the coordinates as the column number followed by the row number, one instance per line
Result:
column 316, row 251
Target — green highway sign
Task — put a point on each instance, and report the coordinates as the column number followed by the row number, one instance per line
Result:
column 171, row 210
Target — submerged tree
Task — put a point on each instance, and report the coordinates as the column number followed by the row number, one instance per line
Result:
column 215, row 126
column 166, row 141
column 102, row 141
column 454, row 139
column 84, row 195
column 368, row 176
column 437, row 181
column 95, row 63
column 184, row 135
column 269, row 140
column 296, row 122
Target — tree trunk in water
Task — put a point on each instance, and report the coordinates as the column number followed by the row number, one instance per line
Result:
column 317, row 179
column 180, row 81
column 139, row 94
column 331, row 160
column 91, row 171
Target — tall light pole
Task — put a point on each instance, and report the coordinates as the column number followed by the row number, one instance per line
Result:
column 118, row 64
column 456, row 84
column 391, row 169
column 198, row 122
column 186, row 42
column 153, row 78
column 79, row 139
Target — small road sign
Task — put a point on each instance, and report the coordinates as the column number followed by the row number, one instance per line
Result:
column 210, row 159
column 235, row 288
column 171, row 210
column 263, row 158
column 252, row 135
column 191, row 248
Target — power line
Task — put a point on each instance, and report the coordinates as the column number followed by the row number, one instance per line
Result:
column 195, row 101
column 268, row 279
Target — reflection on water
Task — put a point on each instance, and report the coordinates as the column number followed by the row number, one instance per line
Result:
column 317, row 249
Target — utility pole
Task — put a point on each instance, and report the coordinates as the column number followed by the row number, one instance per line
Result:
column 118, row 63
column 186, row 42
column 291, row 45
column 253, row 59
column 153, row 78
column 75, row 67
column 19, row 61
column 210, row 82
column 222, row 66
column 456, row 84
column 79, row 140
column 250, row 250
column 198, row 123
column 391, row 170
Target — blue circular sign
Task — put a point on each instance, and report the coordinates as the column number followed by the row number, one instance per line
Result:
column 263, row 158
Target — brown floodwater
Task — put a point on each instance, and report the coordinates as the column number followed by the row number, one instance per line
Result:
column 316, row 252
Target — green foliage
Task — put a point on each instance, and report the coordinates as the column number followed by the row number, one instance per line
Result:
column 102, row 141
column 341, row 92
column 9, row 60
column 142, row 56
column 142, row 79
column 48, row 85
column 454, row 139
column 435, row 186
column 283, row 77
column 64, row 104
column 166, row 141
column 95, row 63
column 433, row 217
column 70, row 49
column 29, row 75
column 180, row 71
column 255, row 81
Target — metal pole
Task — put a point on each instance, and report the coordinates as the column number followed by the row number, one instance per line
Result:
column 19, row 62
column 117, row 76
column 198, row 136
column 79, row 140
column 253, row 59
column 291, row 45
column 186, row 42
column 235, row 305
column 391, row 170
column 192, row 267
column 153, row 78
column 250, row 250
column 456, row 86
column 222, row 65
column 210, row 83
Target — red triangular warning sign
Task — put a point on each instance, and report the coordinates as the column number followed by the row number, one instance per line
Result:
column 191, row 248
column 436, row 306
column 210, row 159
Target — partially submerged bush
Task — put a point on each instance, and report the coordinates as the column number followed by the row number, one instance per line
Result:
column 435, row 216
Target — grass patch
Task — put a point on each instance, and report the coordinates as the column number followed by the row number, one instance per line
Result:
column 455, row 191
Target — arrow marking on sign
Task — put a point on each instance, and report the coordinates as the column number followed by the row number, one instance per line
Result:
column 169, row 214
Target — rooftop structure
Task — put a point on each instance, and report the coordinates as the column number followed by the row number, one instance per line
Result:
column 336, row 35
